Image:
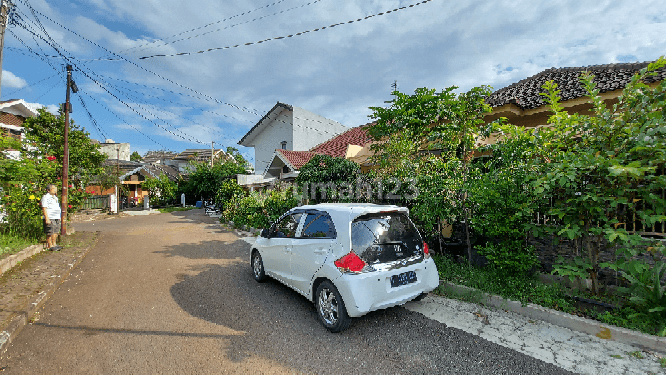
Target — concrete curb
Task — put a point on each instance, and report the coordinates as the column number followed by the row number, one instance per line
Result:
column 8, row 263
column 23, row 317
column 561, row 319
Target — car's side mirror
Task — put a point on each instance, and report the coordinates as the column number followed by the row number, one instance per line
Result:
column 264, row 233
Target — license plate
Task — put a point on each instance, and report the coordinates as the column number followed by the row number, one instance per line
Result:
column 403, row 279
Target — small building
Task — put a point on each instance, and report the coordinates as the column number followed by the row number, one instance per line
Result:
column 182, row 160
column 132, row 174
column 290, row 128
column 119, row 151
column 285, row 164
column 12, row 115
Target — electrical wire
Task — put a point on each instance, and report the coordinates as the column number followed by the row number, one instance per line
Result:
column 283, row 37
column 204, row 26
column 249, row 110
column 123, row 121
column 53, row 44
column 31, row 85
column 92, row 119
column 234, row 25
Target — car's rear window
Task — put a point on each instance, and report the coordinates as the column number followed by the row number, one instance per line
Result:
column 385, row 237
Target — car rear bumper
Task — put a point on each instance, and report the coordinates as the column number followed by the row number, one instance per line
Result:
column 372, row 291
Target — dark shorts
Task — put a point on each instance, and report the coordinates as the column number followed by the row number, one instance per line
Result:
column 53, row 228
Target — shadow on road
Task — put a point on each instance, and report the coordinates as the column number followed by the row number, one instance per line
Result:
column 282, row 325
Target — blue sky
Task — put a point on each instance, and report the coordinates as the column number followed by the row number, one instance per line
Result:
column 179, row 102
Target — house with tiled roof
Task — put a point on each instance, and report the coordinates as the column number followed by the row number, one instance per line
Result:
column 287, row 127
column 285, row 164
column 183, row 159
column 522, row 103
column 133, row 174
column 12, row 115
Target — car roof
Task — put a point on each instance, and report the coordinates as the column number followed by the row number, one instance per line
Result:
column 356, row 208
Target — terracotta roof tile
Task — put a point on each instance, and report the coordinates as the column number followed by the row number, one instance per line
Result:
column 609, row 77
column 337, row 146
column 297, row 158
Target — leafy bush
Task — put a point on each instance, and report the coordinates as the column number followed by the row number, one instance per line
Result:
column 260, row 209
column 161, row 190
column 512, row 257
column 228, row 189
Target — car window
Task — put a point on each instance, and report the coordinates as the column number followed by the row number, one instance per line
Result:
column 287, row 226
column 318, row 225
column 385, row 237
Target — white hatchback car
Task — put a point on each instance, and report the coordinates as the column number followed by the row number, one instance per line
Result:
column 348, row 258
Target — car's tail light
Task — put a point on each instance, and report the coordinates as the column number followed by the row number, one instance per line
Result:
column 426, row 250
column 350, row 262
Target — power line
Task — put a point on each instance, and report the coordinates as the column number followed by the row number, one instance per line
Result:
column 123, row 121
column 53, row 45
column 234, row 25
column 203, row 27
column 244, row 109
column 32, row 84
column 92, row 119
column 287, row 36
column 47, row 91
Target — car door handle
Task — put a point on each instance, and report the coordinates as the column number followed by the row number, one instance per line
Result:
column 320, row 251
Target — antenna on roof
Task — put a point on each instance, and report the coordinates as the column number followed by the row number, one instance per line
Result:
column 394, row 87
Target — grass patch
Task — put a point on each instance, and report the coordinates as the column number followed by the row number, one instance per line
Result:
column 662, row 361
column 616, row 356
column 11, row 244
column 636, row 354
column 172, row 209
column 529, row 289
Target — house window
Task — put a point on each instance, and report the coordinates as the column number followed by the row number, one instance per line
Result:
column 285, row 169
column 284, row 145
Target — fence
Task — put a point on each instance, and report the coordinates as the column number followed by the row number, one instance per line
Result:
column 628, row 217
column 96, row 201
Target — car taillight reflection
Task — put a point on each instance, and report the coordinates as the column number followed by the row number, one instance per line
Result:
column 426, row 250
column 350, row 262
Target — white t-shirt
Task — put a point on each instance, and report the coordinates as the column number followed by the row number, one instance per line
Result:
column 50, row 202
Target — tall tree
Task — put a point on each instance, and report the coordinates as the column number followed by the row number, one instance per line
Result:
column 429, row 120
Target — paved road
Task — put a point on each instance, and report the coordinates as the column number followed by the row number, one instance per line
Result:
column 174, row 293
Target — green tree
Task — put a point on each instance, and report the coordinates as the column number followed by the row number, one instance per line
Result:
column 135, row 156
column 604, row 169
column 40, row 159
column 428, row 120
column 234, row 153
column 204, row 181
column 160, row 189
column 324, row 175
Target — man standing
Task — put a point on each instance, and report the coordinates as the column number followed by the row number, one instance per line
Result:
column 51, row 209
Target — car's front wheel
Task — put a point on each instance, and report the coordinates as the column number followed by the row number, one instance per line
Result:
column 330, row 308
column 258, row 267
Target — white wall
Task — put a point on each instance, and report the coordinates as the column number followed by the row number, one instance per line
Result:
column 270, row 138
column 311, row 129
column 110, row 149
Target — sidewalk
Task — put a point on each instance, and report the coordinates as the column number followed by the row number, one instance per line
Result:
column 25, row 287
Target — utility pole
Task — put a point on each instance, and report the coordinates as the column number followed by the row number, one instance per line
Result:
column 118, row 177
column 212, row 151
column 65, row 163
column 4, row 17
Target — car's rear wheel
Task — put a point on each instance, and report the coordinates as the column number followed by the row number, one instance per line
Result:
column 258, row 267
column 330, row 307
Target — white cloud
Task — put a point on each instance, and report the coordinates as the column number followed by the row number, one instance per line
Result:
column 9, row 80
column 337, row 72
